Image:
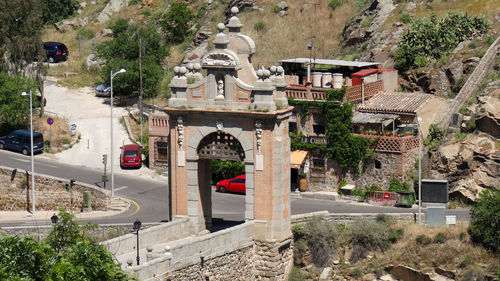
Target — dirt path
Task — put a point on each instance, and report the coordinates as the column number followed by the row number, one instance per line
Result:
column 91, row 116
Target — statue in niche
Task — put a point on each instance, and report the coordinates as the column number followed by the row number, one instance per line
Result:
column 220, row 90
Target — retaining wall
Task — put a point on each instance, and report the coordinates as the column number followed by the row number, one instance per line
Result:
column 50, row 192
column 471, row 86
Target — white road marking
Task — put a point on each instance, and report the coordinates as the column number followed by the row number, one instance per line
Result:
column 22, row 160
column 121, row 187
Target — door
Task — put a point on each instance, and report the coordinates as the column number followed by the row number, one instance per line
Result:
column 10, row 142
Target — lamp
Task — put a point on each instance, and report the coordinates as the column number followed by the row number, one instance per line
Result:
column 54, row 219
column 419, row 125
column 31, row 150
column 135, row 230
column 112, row 157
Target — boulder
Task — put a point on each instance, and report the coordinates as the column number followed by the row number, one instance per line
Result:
column 94, row 62
column 470, row 166
column 454, row 71
column 282, row 13
column 106, row 32
column 406, row 273
column 439, row 84
column 70, row 24
column 83, row 4
column 112, row 7
column 488, row 116
column 283, row 5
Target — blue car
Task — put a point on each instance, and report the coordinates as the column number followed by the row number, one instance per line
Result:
column 20, row 140
column 56, row 51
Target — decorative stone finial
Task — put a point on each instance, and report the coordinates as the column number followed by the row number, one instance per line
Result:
column 176, row 70
column 280, row 70
column 266, row 75
column 182, row 70
column 235, row 10
column 260, row 73
column 221, row 27
column 197, row 66
column 190, row 66
column 273, row 69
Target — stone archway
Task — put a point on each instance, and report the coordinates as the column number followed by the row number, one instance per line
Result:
column 214, row 141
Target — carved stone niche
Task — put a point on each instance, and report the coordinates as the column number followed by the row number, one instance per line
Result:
column 218, row 59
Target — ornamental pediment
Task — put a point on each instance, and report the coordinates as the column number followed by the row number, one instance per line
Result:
column 218, row 59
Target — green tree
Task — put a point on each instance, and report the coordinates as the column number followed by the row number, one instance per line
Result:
column 76, row 258
column 176, row 22
column 14, row 108
column 484, row 225
column 57, row 10
column 226, row 169
column 122, row 52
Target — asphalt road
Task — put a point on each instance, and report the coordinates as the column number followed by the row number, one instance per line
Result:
column 150, row 197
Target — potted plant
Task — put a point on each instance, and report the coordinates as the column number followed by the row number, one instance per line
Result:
column 303, row 182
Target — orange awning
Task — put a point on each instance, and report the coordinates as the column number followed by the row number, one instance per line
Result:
column 297, row 157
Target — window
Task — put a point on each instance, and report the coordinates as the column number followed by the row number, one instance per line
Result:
column 161, row 151
column 238, row 181
column 318, row 163
column 292, row 127
column 378, row 165
column 319, row 129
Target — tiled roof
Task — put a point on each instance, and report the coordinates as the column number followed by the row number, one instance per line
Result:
column 395, row 103
column 365, row 72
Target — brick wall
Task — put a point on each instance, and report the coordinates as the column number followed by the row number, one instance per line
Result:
column 50, row 192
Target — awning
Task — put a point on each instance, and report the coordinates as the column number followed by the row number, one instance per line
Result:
column 297, row 157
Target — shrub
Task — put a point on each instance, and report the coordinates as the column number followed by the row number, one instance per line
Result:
column 472, row 45
column 299, row 232
column 276, row 9
column 365, row 236
column 56, row 10
column 395, row 185
column 342, row 183
column 435, row 132
column 395, row 235
column 357, row 273
column 420, row 61
column 422, row 240
column 321, row 239
column 405, row 18
column 299, row 251
column 440, row 238
column 485, row 220
column 490, row 39
column 134, row 2
column 473, row 274
column 334, row 4
column 468, row 260
column 85, row 33
column 259, row 26
column 384, row 218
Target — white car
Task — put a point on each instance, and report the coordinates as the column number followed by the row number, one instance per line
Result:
column 102, row 90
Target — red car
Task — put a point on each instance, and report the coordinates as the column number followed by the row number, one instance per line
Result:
column 236, row 184
column 130, row 157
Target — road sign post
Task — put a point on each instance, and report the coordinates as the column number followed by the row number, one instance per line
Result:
column 104, row 161
column 50, row 121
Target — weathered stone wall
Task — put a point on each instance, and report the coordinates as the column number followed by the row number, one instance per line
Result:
column 273, row 260
column 237, row 265
column 50, row 192
column 471, row 86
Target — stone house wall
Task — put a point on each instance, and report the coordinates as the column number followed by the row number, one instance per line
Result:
column 50, row 192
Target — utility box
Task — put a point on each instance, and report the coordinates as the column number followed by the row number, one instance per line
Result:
column 435, row 216
column 87, row 201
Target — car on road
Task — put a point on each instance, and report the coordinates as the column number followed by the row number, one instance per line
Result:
column 130, row 156
column 236, row 184
column 102, row 90
column 55, row 51
column 20, row 140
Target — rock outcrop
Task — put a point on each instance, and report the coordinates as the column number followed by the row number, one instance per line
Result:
column 488, row 115
column 112, row 7
column 70, row 24
column 470, row 166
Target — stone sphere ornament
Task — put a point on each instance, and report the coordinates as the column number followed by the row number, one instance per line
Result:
column 221, row 26
column 260, row 73
column 273, row 69
column 182, row 70
column 235, row 10
column 176, row 69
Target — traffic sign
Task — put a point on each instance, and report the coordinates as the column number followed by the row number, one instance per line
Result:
column 386, row 196
column 50, row 121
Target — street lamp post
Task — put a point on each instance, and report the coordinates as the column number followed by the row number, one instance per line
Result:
column 112, row 157
column 135, row 230
column 419, row 125
column 31, row 149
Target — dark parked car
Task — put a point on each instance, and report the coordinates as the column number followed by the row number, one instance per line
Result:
column 20, row 140
column 56, row 51
column 130, row 156
column 102, row 90
column 236, row 184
